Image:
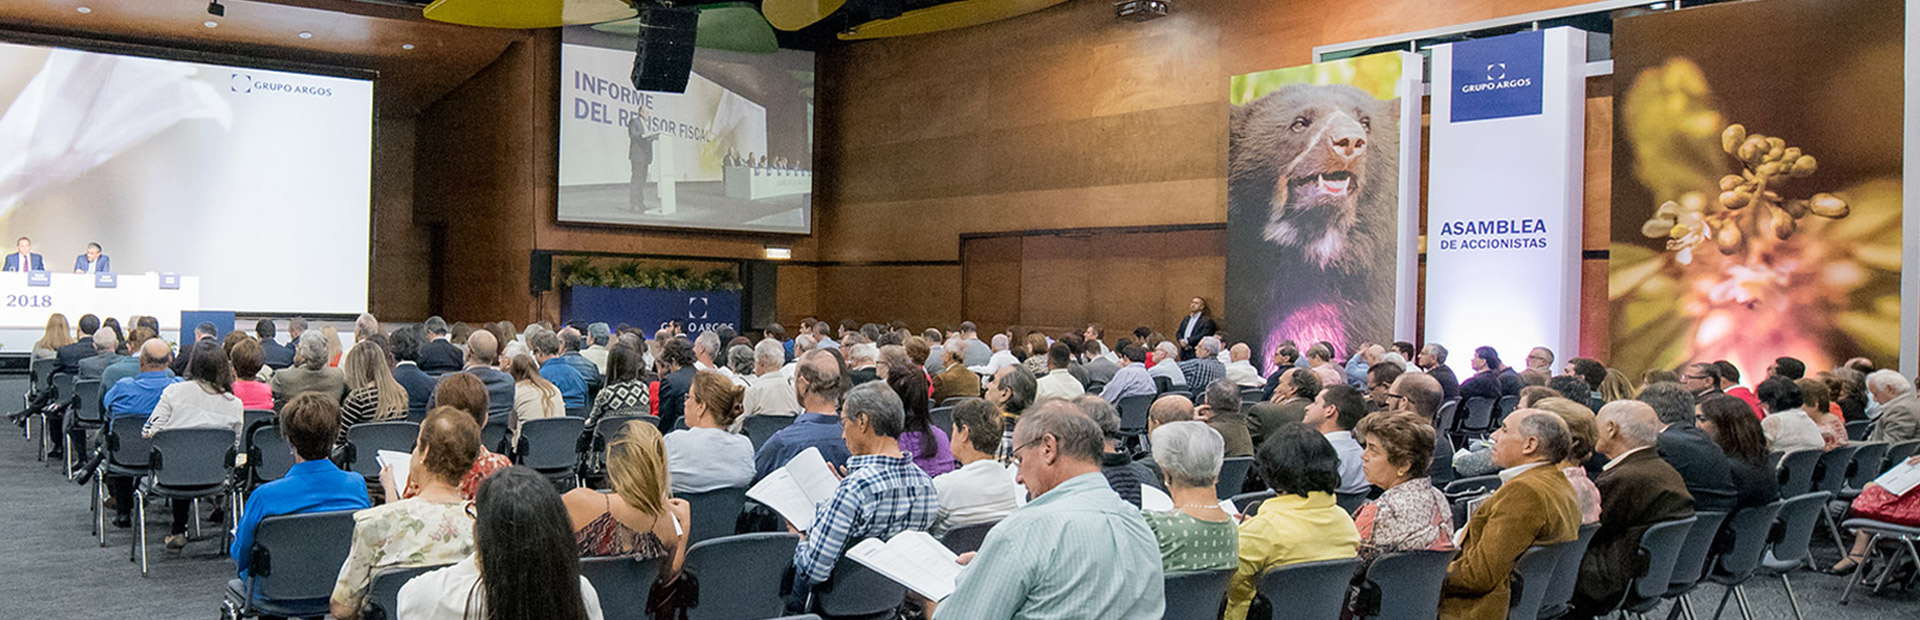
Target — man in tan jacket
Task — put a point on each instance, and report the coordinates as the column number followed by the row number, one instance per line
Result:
column 1534, row 506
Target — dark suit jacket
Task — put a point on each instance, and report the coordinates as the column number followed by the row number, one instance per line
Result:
column 1702, row 465
column 1535, row 508
column 69, row 356
column 13, row 263
column 499, row 392
column 1204, row 329
column 440, row 356
column 1493, row 385
column 419, row 388
column 275, row 355
column 80, row 264
column 1639, row 491
column 673, row 395
column 863, row 375
column 1262, row 418
column 955, row 381
column 1449, row 382
column 182, row 359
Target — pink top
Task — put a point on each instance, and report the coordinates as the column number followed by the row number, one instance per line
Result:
column 1584, row 493
column 253, row 394
column 1833, row 431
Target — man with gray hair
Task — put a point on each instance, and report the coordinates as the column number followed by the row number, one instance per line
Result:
column 104, row 345
column 598, row 335
column 1899, row 414
column 483, row 359
column 1076, row 550
column 365, row 327
column 861, row 358
column 1689, row 450
column 1637, row 490
column 309, row 372
column 883, row 492
column 1534, row 506
column 438, row 356
column 818, row 384
column 570, row 343
column 740, row 361
column 770, row 391
column 1433, row 359
column 706, row 349
column 1001, row 357
column 1205, row 365
column 1167, row 354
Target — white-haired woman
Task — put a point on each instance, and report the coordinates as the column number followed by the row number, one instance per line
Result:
column 1197, row 535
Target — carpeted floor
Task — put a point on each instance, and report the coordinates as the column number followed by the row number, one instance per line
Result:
column 51, row 568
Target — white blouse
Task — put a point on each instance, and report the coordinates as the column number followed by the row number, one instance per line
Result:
column 444, row 594
column 188, row 405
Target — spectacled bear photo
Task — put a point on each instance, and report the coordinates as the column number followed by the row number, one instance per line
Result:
column 1312, row 201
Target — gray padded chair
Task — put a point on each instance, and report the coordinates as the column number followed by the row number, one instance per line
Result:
column 760, row 427
column 127, row 454
column 1566, row 574
column 967, row 537
column 623, row 583
column 1790, row 553
column 1308, row 590
column 1661, row 544
column 1532, row 577
column 187, row 464
column 1233, row 474
column 1403, row 586
column 855, row 591
column 1750, row 529
column 1796, row 471
column 942, row 419
column 549, row 445
column 1350, row 502
column 291, row 566
column 1692, row 563
column 1196, row 596
column 383, row 592
column 714, row 513
column 739, row 576
column 365, row 441
column 1250, row 502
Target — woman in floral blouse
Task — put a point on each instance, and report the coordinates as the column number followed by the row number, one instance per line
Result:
column 1411, row 514
column 432, row 528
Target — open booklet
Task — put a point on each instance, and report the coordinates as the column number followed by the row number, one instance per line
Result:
column 1902, row 478
column 797, row 489
column 912, row 559
column 400, row 462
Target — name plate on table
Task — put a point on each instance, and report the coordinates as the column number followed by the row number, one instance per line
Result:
column 169, row 281
column 106, row 280
column 39, row 278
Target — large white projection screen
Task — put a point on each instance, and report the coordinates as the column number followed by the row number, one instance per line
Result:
column 256, row 181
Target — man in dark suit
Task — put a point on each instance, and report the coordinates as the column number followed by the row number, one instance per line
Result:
column 1433, row 359
column 1637, row 490
column 203, row 331
column 1197, row 324
column 1492, row 379
column 406, row 349
column 104, row 343
column 92, row 261
column 483, row 355
column 273, row 354
column 439, row 355
column 25, row 258
column 676, row 356
column 69, row 356
column 1689, row 450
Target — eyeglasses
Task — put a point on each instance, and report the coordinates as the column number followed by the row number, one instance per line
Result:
column 1697, row 377
column 1015, row 453
column 1394, row 396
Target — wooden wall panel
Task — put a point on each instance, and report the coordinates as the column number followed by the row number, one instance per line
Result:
column 401, row 250
column 920, row 295
column 799, row 292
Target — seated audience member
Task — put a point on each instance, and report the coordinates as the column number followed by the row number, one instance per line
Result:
column 882, row 494
column 1536, row 393
column 1124, row 474
column 599, row 337
column 1420, row 393
column 1165, row 410
column 1205, row 367
column 1817, row 403
column 310, row 372
column 1334, row 413
column 105, row 346
column 483, row 361
column 1099, row 362
column 1787, row 428
column 1788, row 367
column 1589, row 371
column 1581, row 435
column 137, row 396
column 372, row 394
column 563, row 375
column 1115, row 570
column 1197, row 535
column 570, row 344
column 1301, row 524
column 1058, row 382
column 1849, row 392
column 68, row 357
column 1638, row 489
column 626, row 391
column 1131, row 379
column 430, row 528
column 1166, row 364
column 523, row 565
column 926, row 443
column 1221, row 410
column 1877, row 503
column 1240, row 368
column 1727, row 377
column 1285, row 356
column 1574, row 388
column 1616, row 387
column 203, row 331
column 406, row 343
column 1899, row 418
column 1690, row 450
column 309, row 423
column 862, row 360
column 245, row 357
column 463, row 392
column 273, row 354
column 55, row 336
column 1433, row 360
column 1294, row 389
column 1380, row 379
column 1410, row 514
column 954, row 379
column 770, row 391
column 439, row 355
column 1491, row 378
column 1320, row 362
column 1534, row 377
column 676, row 379
column 640, row 518
column 1533, row 506
column 1035, row 350
column 1013, row 391
column 204, row 400
column 706, row 456
column 534, row 397
column 819, row 383
column 981, row 490
column 1745, row 446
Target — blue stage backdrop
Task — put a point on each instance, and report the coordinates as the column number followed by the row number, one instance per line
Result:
column 650, row 309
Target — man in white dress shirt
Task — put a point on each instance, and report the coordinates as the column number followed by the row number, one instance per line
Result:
column 1241, row 370
column 1334, row 413
column 1001, row 356
column 770, row 391
column 981, row 490
column 1059, row 382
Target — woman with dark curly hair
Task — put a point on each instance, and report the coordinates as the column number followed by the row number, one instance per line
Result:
column 524, row 565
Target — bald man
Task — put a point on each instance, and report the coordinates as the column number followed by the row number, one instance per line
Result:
column 1240, row 368
column 483, row 360
column 1637, row 490
column 819, row 383
column 136, row 395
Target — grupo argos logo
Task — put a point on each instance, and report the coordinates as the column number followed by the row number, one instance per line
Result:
column 245, row 84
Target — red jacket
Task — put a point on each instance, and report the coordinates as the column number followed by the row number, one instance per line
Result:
column 1745, row 395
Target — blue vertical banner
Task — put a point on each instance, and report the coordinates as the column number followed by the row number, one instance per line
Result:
column 650, row 309
column 1498, row 77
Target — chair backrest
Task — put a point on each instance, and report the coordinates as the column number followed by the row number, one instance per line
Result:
column 761, row 427
column 1662, row 544
column 1249, row 502
column 623, row 583
column 1692, row 562
column 1233, row 475
column 1444, row 418
column 253, row 418
column 1508, row 403
column 1898, row 452
column 383, row 592
column 1566, row 573
column 192, row 457
column 40, row 370
column 90, row 409
column 269, row 454
column 1474, row 485
column 855, row 590
column 297, row 556
column 1798, row 515
column 1196, row 596
column 1406, row 584
column 1531, row 578
column 1830, row 474
column 1308, row 590
column 1350, row 502
column 942, row 419
column 1867, row 458
column 1479, row 416
column 1796, row 471
column 739, row 576
column 369, row 438
column 1857, row 430
column 62, row 384
column 493, row 436
column 715, row 512
column 548, row 444
column 1133, row 412
column 1750, row 528
column 967, row 537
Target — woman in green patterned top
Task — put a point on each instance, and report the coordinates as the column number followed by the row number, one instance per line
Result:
column 1197, row 535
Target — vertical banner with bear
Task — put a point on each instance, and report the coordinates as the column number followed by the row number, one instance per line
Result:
column 1504, row 192
column 1757, row 186
column 1323, row 165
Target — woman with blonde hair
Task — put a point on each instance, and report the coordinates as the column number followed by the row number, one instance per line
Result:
column 59, row 334
column 372, row 394
column 333, row 345
column 639, row 519
column 534, row 397
column 1616, row 386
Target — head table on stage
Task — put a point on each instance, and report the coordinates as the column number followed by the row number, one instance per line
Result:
column 24, row 305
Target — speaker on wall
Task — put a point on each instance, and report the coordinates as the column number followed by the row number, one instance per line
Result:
column 759, row 293
column 540, row 276
column 664, row 58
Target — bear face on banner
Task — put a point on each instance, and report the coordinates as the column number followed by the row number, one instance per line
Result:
column 1313, row 194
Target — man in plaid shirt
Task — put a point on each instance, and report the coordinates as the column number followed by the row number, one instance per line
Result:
column 1205, row 365
column 883, row 493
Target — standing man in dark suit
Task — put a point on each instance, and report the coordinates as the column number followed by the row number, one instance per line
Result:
column 25, row 257
column 273, row 354
column 1197, row 324
column 1433, row 359
column 406, row 349
column 1689, row 450
column 92, row 261
column 483, row 357
column 439, row 355
column 1637, row 490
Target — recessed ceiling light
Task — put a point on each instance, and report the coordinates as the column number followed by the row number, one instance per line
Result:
column 84, row 9
column 406, row 46
column 306, row 35
column 210, row 23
